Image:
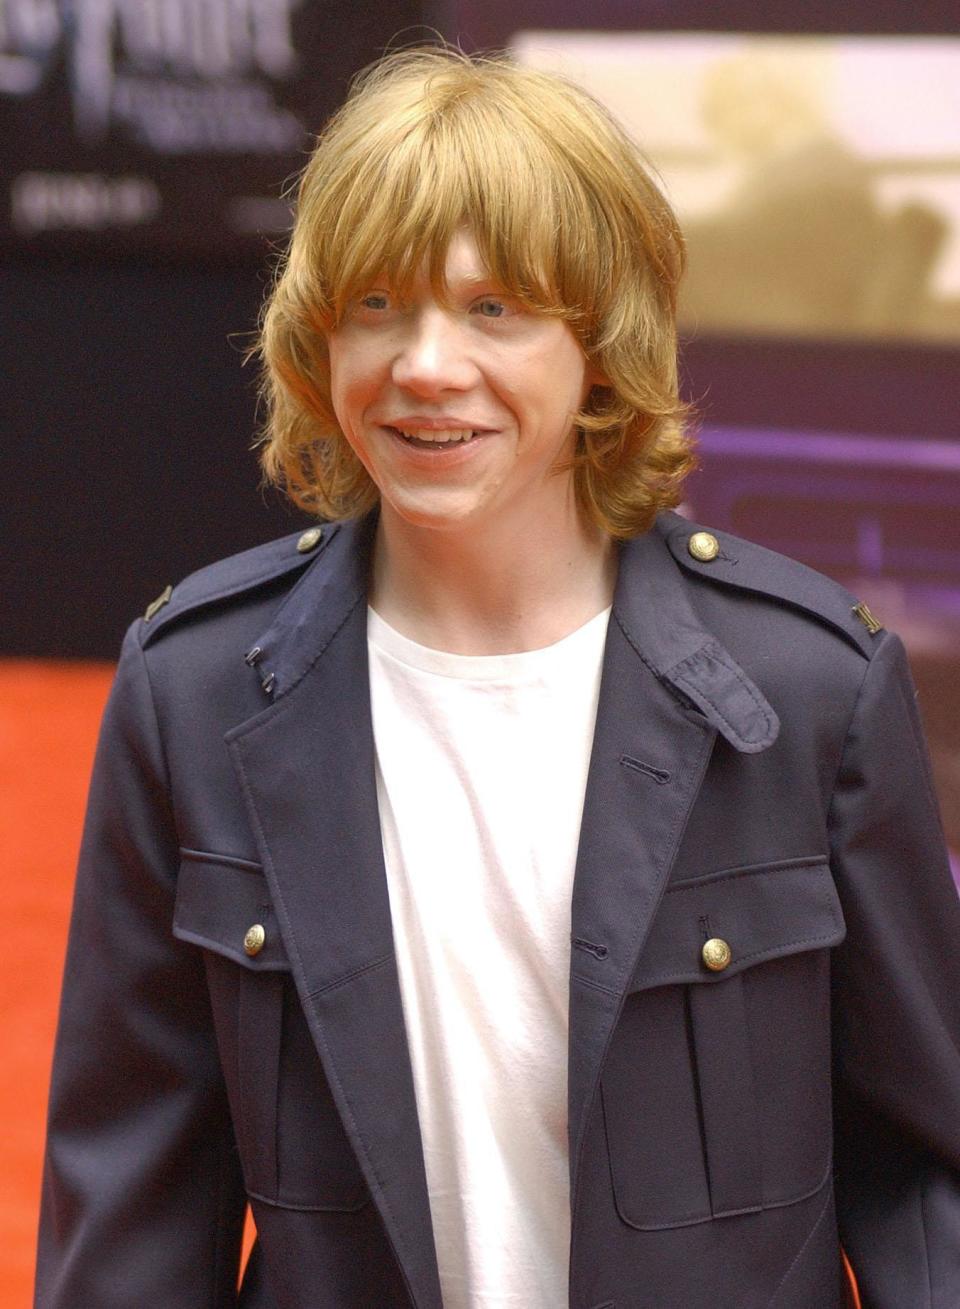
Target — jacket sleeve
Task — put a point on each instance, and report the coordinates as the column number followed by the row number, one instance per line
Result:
column 897, row 1006
column 142, row 1200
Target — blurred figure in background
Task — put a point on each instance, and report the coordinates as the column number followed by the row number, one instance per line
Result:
column 801, row 246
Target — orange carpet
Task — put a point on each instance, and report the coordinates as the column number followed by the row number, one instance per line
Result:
column 49, row 714
column 48, row 722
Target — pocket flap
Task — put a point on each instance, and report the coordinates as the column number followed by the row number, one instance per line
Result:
column 761, row 912
column 218, row 901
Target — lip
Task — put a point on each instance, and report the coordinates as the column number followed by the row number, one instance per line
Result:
column 446, row 423
column 446, row 456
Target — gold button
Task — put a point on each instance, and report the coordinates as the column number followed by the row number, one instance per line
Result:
column 716, row 954
column 704, row 546
column 254, row 940
column 309, row 539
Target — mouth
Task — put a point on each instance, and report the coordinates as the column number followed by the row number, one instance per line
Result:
column 437, row 439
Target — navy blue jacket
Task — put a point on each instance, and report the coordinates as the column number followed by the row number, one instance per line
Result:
column 758, row 775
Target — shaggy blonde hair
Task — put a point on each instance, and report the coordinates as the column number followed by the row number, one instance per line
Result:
column 566, row 218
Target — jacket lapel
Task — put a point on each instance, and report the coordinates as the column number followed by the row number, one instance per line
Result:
column 667, row 689
column 307, row 769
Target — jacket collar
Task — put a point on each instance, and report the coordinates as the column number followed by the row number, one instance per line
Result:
column 650, row 604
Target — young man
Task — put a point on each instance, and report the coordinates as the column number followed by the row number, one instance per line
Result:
column 521, row 896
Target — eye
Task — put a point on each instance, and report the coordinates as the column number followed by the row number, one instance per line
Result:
column 376, row 300
column 490, row 307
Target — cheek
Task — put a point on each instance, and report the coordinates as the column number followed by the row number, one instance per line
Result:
column 570, row 376
column 348, row 387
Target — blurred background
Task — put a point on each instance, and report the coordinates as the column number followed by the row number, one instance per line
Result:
column 147, row 149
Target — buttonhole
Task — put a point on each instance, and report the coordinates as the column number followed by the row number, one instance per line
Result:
column 659, row 775
column 598, row 951
column 704, row 921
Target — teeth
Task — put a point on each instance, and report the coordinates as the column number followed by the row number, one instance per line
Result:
column 441, row 436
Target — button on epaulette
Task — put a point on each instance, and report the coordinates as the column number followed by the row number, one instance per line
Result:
column 155, row 606
column 310, row 539
column 703, row 546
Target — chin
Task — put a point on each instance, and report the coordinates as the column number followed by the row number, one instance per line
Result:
column 435, row 514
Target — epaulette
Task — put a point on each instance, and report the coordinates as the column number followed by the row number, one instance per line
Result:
column 731, row 561
column 233, row 576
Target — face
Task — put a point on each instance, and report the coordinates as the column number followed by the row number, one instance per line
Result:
column 459, row 412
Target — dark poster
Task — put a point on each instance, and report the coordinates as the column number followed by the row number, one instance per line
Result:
column 169, row 127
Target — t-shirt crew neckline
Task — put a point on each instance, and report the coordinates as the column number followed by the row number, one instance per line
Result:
column 481, row 668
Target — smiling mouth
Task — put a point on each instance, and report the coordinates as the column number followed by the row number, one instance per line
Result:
column 439, row 439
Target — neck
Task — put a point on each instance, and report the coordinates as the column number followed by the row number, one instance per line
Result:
column 510, row 588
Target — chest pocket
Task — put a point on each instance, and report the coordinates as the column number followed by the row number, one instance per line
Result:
column 716, row 1091
column 293, row 1147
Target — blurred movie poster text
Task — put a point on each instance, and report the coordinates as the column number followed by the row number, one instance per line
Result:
column 169, row 127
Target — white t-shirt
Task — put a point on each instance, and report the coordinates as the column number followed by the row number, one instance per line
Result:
column 481, row 770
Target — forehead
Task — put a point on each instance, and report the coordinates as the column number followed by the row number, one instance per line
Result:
column 464, row 262
column 461, row 265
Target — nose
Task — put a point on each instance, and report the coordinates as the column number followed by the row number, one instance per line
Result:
column 432, row 357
